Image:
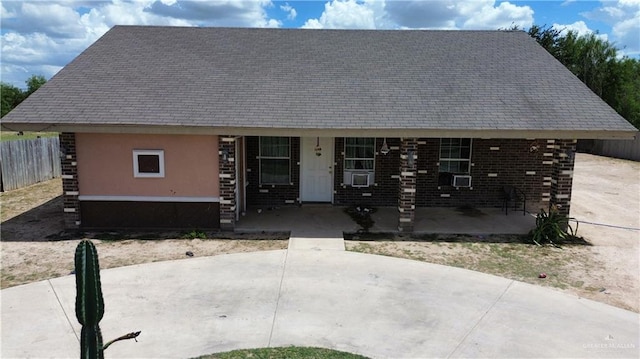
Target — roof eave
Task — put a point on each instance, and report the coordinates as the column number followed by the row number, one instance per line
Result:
column 326, row 132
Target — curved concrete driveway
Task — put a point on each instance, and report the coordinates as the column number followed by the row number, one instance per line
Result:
column 372, row 305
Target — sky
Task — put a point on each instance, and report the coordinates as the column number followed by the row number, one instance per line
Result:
column 39, row 37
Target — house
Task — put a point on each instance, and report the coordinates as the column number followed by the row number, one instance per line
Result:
column 189, row 127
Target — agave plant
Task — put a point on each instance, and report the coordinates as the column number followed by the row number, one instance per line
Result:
column 552, row 227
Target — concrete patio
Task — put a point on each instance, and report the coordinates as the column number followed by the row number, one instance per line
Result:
column 329, row 221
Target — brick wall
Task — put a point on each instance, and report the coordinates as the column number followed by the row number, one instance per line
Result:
column 69, row 181
column 271, row 195
column 525, row 164
column 384, row 190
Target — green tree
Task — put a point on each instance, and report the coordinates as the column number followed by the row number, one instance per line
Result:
column 590, row 58
column 623, row 93
column 547, row 37
column 12, row 96
column 595, row 62
column 33, row 83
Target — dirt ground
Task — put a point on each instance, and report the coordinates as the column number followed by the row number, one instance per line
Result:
column 606, row 191
column 34, row 246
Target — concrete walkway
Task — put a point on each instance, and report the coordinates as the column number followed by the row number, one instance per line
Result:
column 376, row 306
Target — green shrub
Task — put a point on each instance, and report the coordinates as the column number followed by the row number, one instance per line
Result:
column 552, row 228
column 194, row 234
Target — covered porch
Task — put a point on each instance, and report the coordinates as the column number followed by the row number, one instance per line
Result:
column 404, row 183
column 327, row 221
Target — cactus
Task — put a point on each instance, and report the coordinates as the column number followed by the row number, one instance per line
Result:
column 89, row 301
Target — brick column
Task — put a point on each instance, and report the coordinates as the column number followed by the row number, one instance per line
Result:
column 69, row 176
column 407, row 191
column 562, row 175
column 227, row 168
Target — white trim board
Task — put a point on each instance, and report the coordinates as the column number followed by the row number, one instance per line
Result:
column 148, row 198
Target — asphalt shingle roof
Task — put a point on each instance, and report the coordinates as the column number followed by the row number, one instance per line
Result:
column 315, row 79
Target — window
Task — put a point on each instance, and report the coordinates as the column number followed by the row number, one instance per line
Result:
column 275, row 160
column 359, row 161
column 359, row 153
column 455, row 159
column 148, row 163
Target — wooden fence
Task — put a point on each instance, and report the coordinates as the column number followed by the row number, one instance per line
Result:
column 25, row 162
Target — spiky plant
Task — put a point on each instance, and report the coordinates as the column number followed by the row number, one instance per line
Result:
column 552, row 228
column 89, row 302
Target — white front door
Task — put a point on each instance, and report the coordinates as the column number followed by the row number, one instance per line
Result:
column 316, row 172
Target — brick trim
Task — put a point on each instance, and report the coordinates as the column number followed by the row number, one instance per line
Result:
column 70, row 188
column 562, row 175
column 408, row 182
column 227, row 173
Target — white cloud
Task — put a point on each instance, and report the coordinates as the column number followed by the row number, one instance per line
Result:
column 485, row 15
column 6, row 13
column 439, row 14
column 39, row 37
column 211, row 13
column 579, row 27
column 344, row 14
column 35, row 54
column 41, row 17
column 417, row 14
column 624, row 18
column 291, row 12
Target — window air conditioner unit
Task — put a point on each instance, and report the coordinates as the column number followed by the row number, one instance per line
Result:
column 461, row 181
column 359, row 180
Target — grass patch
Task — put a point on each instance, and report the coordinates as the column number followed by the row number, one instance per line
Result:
column 47, row 259
column 519, row 259
column 284, row 353
column 13, row 136
column 194, row 234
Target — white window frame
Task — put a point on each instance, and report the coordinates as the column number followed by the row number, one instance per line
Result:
column 261, row 157
column 455, row 159
column 349, row 172
column 136, row 169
